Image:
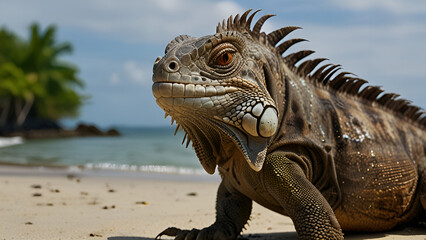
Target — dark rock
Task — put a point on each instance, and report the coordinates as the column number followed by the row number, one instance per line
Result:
column 88, row 130
column 112, row 132
column 43, row 129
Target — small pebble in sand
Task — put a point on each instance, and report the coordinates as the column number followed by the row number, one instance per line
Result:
column 84, row 193
column 95, row 235
column 37, row 195
column 111, row 190
column 192, row 194
column 106, row 207
column 142, row 203
column 28, row 223
column 36, row 186
column 55, row 190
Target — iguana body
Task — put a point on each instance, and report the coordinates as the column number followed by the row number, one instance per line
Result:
column 307, row 144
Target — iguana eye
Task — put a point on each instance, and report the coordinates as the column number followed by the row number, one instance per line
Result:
column 224, row 59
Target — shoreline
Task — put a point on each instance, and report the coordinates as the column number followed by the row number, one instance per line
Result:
column 114, row 170
column 16, row 169
column 40, row 203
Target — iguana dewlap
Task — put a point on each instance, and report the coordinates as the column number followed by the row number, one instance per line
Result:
column 296, row 136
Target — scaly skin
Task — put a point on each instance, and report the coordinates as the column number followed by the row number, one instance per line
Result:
column 306, row 144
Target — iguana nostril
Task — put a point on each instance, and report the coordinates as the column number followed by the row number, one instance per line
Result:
column 173, row 66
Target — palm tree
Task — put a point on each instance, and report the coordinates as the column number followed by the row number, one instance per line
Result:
column 58, row 78
column 34, row 79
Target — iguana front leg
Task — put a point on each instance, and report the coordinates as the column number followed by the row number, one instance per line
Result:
column 233, row 210
column 311, row 214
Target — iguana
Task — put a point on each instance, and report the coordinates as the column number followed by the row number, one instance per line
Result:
column 300, row 138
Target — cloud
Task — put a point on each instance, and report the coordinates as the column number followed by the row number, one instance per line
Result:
column 135, row 73
column 131, row 73
column 383, row 49
column 394, row 6
column 133, row 20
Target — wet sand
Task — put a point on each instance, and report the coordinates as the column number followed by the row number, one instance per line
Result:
column 57, row 204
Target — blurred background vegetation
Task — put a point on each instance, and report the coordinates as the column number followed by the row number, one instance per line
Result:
column 36, row 87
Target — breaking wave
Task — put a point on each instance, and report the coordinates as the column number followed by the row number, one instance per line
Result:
column 10, row 141
column 145, row 168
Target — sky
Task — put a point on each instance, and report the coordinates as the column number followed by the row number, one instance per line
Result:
column 116, row 43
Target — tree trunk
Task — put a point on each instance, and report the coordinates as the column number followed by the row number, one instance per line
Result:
column 5, row 111
column 23, row 113
column 18, row 107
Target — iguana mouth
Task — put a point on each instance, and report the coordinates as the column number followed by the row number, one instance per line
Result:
column 190, row 95
column 189, row 90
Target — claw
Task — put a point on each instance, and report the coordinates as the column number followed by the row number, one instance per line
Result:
column 171, row 232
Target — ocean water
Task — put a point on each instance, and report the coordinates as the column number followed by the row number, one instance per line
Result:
column 138, row 149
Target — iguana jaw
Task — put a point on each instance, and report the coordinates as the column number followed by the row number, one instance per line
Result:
column 197, row 115
column 201, row 111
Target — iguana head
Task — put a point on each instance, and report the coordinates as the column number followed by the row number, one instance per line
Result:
column 222, row 88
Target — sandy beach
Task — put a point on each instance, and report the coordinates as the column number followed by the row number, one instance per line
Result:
column 57, row 204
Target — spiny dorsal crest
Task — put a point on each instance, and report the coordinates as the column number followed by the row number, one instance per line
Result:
column 327, row 75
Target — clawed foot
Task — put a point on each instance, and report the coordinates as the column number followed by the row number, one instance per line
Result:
column 210, row 233
column 171, row 232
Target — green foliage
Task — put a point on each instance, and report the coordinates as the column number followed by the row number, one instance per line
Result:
column 33, row 80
